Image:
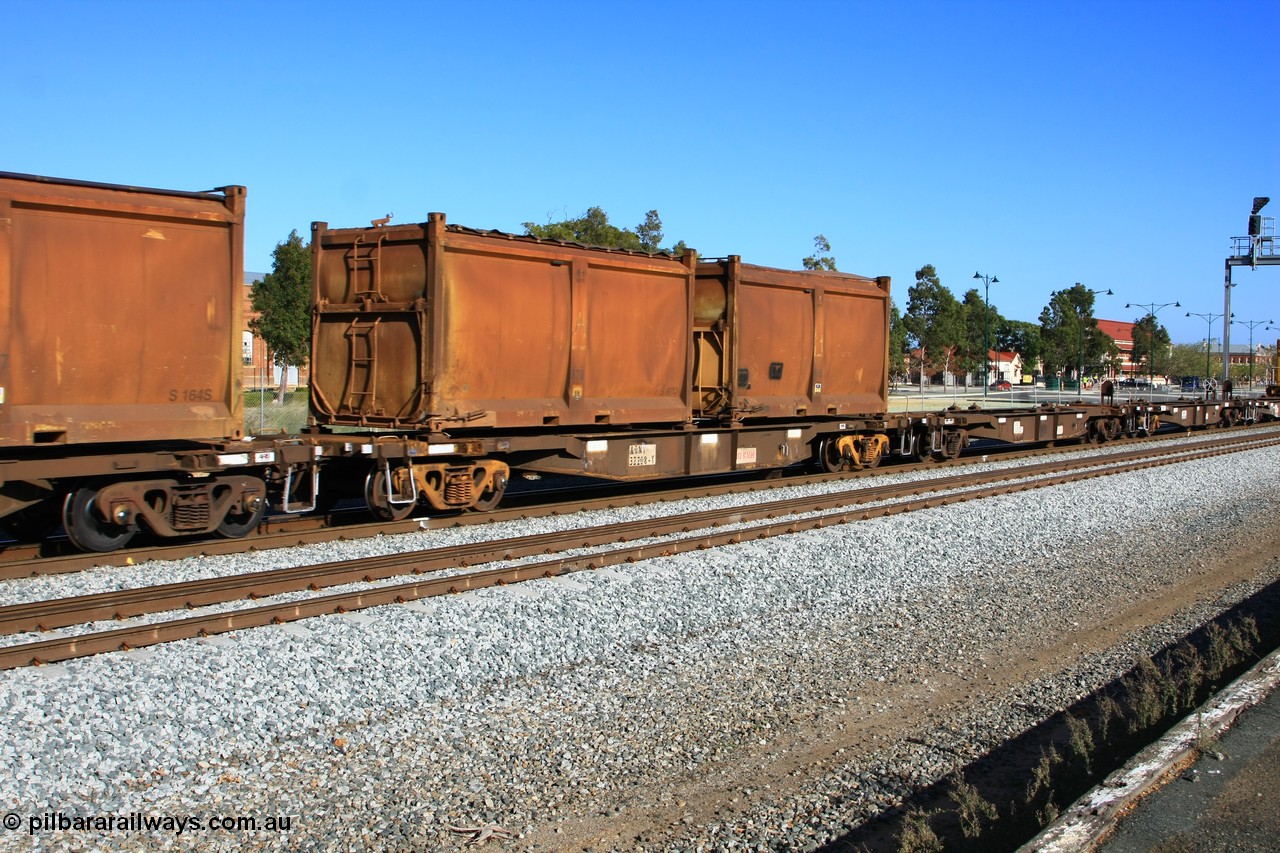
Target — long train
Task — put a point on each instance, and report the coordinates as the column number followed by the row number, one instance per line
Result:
column 442, row 359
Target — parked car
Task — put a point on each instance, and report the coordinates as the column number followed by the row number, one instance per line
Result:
column 1191, row 383
column 1000, row 385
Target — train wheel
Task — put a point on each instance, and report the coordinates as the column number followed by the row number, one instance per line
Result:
column 492, row 496
column 237, row 525
column 375, row 495
column 953, row 443
column 87, row 529
column 922, row 450
column 830, row 456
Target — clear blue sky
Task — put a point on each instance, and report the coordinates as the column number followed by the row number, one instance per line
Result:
column 1118, row 144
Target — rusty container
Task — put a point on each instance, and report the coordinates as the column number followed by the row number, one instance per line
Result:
column 773, row 343
column 120, row 312
column 433, row 327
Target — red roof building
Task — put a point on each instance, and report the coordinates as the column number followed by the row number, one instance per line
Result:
column 1122, row 334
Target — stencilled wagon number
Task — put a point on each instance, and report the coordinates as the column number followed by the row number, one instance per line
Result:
column 642, row 455
column 191, row 395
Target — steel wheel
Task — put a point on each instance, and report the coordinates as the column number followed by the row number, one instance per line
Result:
column 375, row 495
column 922, row 448
column 830, row 458
column 87, row 529
column 236, row 525
column 492, row 496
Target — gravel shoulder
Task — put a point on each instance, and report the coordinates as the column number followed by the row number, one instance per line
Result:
column 766, row 695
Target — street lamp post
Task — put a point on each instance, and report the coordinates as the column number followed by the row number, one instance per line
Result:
column 987, row 281
column 1208, row 338
column 1252, row 324
column 1152, row 308
column 1080, row 373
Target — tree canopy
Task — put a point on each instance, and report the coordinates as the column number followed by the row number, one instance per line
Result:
column 981, row 322
column 821, row 258
column 1195, row 360
column 1021, row 337
column 593, row 228
column 1069, row 332
column 282, row 299
column 934, row 320
column 1151, row 345
column 897, row 339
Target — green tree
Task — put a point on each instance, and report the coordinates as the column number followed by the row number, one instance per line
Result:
column 1194, row 360
column 981, row 323
column 650, row 232
column 1068, row 329
column 934, row 321
column 897, row 341
column 1023, row 338
column 282, row 299
column 1151, row 346
column 821, row 258
column 593, row 228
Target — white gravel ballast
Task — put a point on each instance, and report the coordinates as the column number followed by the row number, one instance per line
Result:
column 509, row 711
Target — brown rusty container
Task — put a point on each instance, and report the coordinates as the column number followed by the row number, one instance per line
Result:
column 432, row 327
column 774, row 343
column 120, row 312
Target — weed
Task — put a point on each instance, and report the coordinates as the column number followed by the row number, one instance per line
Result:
column 1168, row 686
column 1081, row 742
column 971, row 807
column 1204, row 743
column 917, row 835
column 1143, row 696
column 1218, row 656
column 1242, row 636
column 1189, row 667
column 1042, row 775
column 1108, row 710
column 1048, row 814
column 262, row 414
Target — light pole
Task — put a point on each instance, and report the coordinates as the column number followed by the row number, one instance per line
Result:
column 1208, row 338
column 987, row 281
column 1152, row 308
column 1252, row 324
column 1080, row 374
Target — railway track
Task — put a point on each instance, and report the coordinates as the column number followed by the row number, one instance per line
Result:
column 451, row 569
column 282, row 531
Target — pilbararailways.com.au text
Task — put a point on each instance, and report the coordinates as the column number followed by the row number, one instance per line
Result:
column 46, row 822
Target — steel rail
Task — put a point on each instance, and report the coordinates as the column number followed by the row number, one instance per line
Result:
column 136, row 636
column 16, row 562
column 50, row 614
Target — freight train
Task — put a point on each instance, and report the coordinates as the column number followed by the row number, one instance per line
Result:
column 443, row 358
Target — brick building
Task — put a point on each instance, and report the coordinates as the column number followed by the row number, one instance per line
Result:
column 258, row 369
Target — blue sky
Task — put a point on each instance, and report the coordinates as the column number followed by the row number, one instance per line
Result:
column 1118, row 144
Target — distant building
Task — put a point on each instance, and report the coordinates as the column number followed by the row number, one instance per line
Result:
column 259, row 370
column 1122, row 334
column 1004, row 365
column 1261, row 357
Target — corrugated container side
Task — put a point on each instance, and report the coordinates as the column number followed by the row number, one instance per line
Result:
column 433, row 327
column 803, row 343
column 120, row 312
